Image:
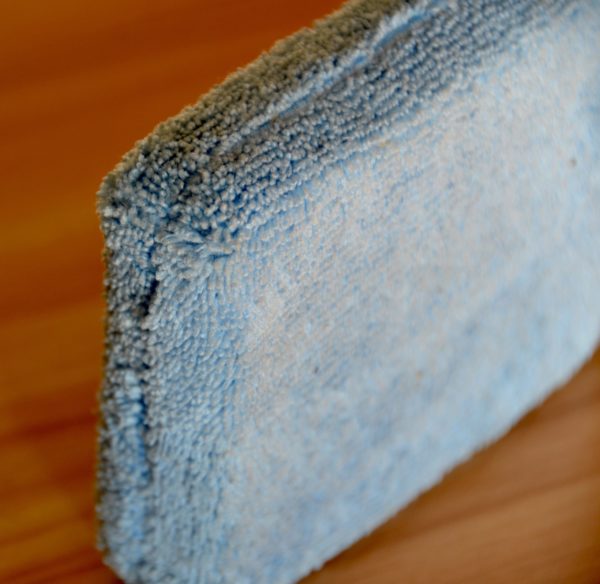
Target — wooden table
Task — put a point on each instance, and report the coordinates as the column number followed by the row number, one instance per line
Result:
column 80, row 82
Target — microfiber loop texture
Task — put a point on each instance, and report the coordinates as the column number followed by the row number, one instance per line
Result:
column 348, row 267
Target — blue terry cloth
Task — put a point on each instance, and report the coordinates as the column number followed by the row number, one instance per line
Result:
column 340, row 273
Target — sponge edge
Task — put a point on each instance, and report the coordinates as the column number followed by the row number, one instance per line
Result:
column 345, row 269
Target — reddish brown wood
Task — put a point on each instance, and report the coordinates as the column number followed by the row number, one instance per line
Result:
column 79, row 83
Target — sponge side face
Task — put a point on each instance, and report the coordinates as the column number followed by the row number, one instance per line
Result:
column 324, row 294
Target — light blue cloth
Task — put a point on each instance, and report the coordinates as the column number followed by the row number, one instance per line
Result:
column 338, row 275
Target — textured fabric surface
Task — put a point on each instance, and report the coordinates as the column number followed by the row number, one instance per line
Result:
column 340, row 273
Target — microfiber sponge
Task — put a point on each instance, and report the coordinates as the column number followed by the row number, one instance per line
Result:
column 340, row 273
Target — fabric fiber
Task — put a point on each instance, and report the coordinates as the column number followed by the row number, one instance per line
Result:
column 344, row 270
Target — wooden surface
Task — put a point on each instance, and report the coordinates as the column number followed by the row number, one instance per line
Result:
column 79, row 83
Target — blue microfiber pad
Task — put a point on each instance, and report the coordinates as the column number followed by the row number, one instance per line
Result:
column 340, row 273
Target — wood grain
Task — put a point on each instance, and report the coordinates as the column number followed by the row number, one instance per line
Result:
column 79, row 83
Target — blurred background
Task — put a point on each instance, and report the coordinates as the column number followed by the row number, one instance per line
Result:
column 79, row 84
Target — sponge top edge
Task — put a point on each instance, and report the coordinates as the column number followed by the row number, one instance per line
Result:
column 247, row 98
